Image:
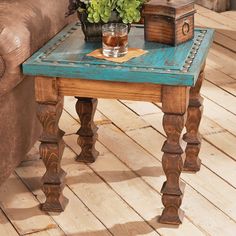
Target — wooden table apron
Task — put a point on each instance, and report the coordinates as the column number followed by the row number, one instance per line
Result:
column 177, row 90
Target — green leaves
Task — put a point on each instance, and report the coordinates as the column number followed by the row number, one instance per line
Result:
column 129, row 10
column 101, row 10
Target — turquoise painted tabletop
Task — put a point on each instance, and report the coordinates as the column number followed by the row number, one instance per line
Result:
column 65, row 56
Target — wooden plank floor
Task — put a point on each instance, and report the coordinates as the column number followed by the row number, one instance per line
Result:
column 120, row 193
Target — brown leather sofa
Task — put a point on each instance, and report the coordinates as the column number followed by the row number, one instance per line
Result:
column 25, row 26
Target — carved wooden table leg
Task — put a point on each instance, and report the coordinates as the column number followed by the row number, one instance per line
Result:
column 173, row 121
column 86, row 108
column 192, row 136
column 51, row 149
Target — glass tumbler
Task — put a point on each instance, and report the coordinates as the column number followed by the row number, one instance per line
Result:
column 114, row 39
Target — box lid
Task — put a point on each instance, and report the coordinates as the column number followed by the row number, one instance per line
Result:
column 170, row 8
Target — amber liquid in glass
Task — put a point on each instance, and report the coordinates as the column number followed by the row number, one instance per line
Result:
column 115, row 43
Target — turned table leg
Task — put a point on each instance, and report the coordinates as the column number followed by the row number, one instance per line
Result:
column 51, row 149
column 86, row 108
column 192, row 136
column 174, row 119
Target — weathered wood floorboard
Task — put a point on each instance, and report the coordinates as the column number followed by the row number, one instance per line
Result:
column 129, row 186
column 224, row 25
column 220, row 18
column 148, row 168
column 113, row 133
column 50, row 232
column 22, row 208
column 230, row 15
column 76, row 219
column 6, row 228
column 220, row 163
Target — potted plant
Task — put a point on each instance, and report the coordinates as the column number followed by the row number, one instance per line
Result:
column 94, row 13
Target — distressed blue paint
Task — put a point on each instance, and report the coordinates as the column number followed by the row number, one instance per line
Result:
column 65, row 56
column 202, row 54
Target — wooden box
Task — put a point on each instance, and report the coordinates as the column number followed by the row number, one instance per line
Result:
column 169, row 21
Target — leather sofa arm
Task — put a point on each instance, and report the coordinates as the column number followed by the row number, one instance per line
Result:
column 25, row 26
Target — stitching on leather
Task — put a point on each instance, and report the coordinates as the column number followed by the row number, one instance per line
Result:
column 2, row 67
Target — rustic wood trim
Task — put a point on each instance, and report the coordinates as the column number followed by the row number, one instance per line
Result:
column 46, row 89
column 175, row 99
column 192, row 136
column 85, row 108
column 49, row 110
column 111, row 90
column 174, row 105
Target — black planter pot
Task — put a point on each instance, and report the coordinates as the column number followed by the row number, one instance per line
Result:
column 93, row 31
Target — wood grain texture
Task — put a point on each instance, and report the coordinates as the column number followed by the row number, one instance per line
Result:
column 213, row 133
column 158, row 29
column 175, row 99
column 172, row 214
column 6, row 228
column 69, row 106
column 230, row 15
column 163, row 30
column 49, row 115
column 106, row 89
column 86, row 108
column 127, row 166
column 169, row 23
column 51, row 148
column 199, row 209
column 21, row 208
column 50, row 232
column 127, row 172
column 225, row 34
column 112, row 109
column 173, row 125
column 46, row 89
column 77, row 219
column 184, row 29
column 174, row 106
column 192, row 136
column 215, row 5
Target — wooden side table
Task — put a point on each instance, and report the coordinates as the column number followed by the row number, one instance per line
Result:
column 170, row 75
